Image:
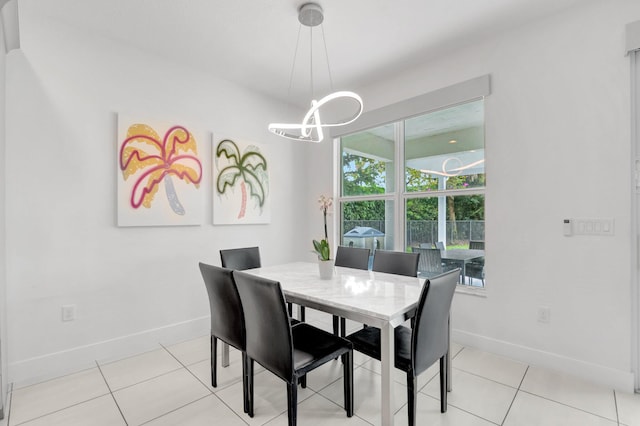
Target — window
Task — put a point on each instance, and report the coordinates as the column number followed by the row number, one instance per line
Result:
column 367, row 206
column 434, row 194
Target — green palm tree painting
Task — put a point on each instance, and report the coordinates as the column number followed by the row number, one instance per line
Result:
column 246, row 171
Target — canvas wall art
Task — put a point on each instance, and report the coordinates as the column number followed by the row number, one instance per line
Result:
column 240, row 183
column 159, row 173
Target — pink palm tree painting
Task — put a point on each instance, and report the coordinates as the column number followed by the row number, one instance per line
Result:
column 151, row 160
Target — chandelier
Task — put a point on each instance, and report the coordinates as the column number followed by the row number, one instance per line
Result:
column 311, row 127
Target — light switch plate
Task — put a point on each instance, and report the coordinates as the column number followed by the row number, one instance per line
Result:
column 593, row 226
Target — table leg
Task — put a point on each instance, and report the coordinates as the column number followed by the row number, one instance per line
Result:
column 386, row 362
column 225, row 355
column 449, row 378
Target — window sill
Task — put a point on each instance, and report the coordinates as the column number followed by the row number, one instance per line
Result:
column 471, row 291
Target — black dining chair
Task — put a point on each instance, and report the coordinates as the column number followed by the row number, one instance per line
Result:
column 430, row 263
column 289, row 352
column 227, row 319
column 241, row 258
column 475, row 268
column 244, row 258
column 396, row 262
column 418, row 348
column 352, row 257
column 349, row 257
column 476, row 245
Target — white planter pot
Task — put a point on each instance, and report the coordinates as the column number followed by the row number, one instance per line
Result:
column 325, row 267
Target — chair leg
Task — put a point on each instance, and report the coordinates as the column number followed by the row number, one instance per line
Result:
column 412, row 387
column 292, row 402
column 245, row 383
column 214, row 356
column 303, row 381
column 336, row 325
column 443, row 384
column 302, row 313
column 343, row 327
column 250, row 386
column 347, row 361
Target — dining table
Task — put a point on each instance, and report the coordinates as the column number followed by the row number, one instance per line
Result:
column 374, row 298
column 461, row 257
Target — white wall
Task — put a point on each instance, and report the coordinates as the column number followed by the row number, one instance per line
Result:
column 557, row 146
column 133, row 287
column 3, row 274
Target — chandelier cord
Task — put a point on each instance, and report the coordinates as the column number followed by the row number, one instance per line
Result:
column 326, row 54
column 311, row 61
column 293, row 65
column 295, row 57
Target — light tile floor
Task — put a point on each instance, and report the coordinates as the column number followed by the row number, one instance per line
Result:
column 171, row 386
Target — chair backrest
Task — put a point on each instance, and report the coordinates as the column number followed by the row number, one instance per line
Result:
column 227, row 319
column 430, row 259
column 396, row 262
column 241, row 258
column 476, row 245
column 268, row 332
column 430, row 336
column 439, row 245
column 352, row 257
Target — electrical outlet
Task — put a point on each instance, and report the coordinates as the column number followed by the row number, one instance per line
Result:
column 68, row 312
column 544, row 314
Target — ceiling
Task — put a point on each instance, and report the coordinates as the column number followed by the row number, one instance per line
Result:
column 252, row 42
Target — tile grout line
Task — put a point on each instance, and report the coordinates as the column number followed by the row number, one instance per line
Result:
column 111, row 393
column 567, row 405
column 486, row 378
column 187, row 368
column 176, row 409
column 58, row 410
column 333, row 402
column 204, row 384
column 311, row 396
column 515, row 396
column 615, row 403
column 148, row 378
column 462, row 409
column 481, row 377
column 448, row 403
column 51, row 379
column 571, row 406
column 10, row 400
column 183, row 367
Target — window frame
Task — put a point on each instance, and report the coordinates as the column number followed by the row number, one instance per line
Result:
column 397, row 114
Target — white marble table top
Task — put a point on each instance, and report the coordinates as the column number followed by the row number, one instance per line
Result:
column 356, row 294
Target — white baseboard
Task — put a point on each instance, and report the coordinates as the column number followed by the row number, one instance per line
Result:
column 48, row 366
column 599, row 374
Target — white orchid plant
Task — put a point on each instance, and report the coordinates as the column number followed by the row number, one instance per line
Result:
column 321, row 247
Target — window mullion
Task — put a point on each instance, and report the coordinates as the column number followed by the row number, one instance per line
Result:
column 400, row 222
